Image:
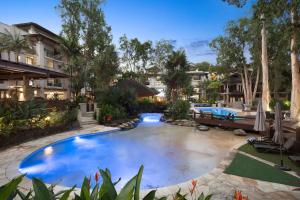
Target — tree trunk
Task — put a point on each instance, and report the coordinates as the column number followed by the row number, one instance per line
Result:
column 244, row 88
column 265, row 70
column 256, row 83
column 295, row 97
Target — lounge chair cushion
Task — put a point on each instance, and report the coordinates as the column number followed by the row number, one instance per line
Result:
column 294, row 158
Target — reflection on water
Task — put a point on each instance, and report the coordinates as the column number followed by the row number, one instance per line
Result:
column 170, row 154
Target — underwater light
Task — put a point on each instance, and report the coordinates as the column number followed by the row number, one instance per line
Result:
column 48, row 150
column 150, row 119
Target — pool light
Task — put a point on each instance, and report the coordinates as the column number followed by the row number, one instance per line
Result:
column 48, row 150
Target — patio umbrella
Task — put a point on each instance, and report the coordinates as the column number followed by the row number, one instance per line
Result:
column 260, row 118
column 278, row 137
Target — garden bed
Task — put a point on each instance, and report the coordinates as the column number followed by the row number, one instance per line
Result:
column 25, row 135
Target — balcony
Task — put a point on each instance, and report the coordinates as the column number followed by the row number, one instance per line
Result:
column 53, row 64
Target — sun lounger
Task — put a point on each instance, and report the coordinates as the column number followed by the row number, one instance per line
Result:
column 268, row 147
column 295, row 158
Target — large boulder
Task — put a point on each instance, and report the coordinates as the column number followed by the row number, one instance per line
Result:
column 202, row 128
column 239, row 132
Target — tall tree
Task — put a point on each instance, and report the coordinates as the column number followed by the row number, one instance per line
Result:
column 70, row 13
column 286, row 12
column 162, row 50
column 232, row 50
column 136, row 56
column 176, row 78
column 88, row 44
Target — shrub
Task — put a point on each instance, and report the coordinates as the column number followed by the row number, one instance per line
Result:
column 109, row 112
column 179, row 109
column 285, row 104
column 146, row 105
column 117, row 98
column 16, row 116
column 105, row 191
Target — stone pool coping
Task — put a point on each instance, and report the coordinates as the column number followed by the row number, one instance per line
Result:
column 215, row 182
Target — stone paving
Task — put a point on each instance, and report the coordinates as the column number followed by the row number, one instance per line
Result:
column 221, row 185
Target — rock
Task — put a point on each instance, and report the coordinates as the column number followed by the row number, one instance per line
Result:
column 202, row 128
column 169, row 121
column 239, row 132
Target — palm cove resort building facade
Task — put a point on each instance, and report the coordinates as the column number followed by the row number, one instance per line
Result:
column 36, row 72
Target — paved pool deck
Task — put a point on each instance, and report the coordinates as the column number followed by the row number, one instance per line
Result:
column 221, row 185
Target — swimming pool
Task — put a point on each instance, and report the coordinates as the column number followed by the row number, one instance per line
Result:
column 170, row 155
column 217, row 111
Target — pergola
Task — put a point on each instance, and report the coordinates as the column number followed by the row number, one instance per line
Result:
column 17, row 71
column 20, row 71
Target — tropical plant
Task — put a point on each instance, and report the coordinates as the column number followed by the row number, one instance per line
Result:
column 13, row 41
column 193, row 193
column 101, row 191
column 176, row 78
column 124, row 100
column 109, row 113
column 179, row 109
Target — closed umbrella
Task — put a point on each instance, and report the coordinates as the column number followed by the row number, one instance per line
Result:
column 278, row 137
column 260, row 118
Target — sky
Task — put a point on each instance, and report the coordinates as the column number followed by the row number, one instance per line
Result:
column 191, row 24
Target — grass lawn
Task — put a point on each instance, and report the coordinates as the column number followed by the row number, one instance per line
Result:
column 248, row 167
column 271, row 157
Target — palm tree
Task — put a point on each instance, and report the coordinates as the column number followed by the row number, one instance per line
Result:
column 14, row 41
column 176, row 78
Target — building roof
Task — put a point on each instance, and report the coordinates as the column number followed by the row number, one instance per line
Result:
column 12, row 70
column 37, row 26
column 140, row 89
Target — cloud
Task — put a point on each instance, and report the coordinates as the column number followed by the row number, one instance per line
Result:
column 206, row 53
column 198, row 44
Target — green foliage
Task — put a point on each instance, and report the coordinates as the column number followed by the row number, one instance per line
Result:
column 212, row 90
column 179, row 109
column 123, row 99
column 147, row 106
column 176, row 78
column 285, row 104
column 192, row 195
column 135, row 54
column 12, row 40
column 105, row 191
column 87, row 42
column 16, row 116
column 109, row 112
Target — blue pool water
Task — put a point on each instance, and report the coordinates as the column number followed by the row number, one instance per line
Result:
column 170, row 155
column 216, row 111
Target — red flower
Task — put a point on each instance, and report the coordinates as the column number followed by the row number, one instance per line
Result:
column 97, row 177
column 238, row 196
column 109, row 118
column 194, row 184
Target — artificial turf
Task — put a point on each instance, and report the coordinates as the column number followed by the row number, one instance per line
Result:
column 248, row 167
column 271, row 157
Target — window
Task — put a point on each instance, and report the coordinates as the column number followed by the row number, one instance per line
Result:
column 50, row 82
column 29, row 60
column 49, row 53
column 54, row 82
column 50, row 63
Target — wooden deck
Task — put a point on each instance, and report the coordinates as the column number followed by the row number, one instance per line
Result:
column 245, row 122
